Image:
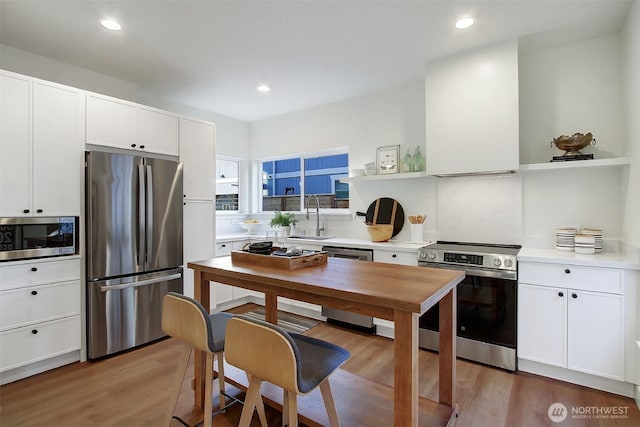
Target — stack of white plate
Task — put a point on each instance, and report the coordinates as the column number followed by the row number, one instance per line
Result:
column 585, row 244
column 565, row 239
column 597, row 235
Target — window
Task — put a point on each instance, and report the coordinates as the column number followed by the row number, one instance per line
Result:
column 227, row 184
column 285, row 181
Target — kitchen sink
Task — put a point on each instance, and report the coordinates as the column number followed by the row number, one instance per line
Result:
column 312, row 237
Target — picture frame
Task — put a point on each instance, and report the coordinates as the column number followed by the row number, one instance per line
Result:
column 388, row 160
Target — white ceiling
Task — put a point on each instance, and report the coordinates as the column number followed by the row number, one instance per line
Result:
column 212, row 54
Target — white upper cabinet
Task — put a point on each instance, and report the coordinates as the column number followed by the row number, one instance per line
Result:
column 111, row 122
column 15, row 144
column 57, row 150
column 158, row 131
column 197, row 153
column 40, row 133
column 116, row 123
column 472, row 111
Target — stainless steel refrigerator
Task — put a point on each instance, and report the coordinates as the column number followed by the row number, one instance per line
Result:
column 134, row 247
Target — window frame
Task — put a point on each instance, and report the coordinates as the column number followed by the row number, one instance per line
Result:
column 242, row 189
column 302, row 156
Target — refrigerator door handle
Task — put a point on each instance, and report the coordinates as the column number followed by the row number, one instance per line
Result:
column 141, row 216
column 149, row 210
column 140, row 283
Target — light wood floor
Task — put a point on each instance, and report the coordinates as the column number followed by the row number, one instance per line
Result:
column 132, row 389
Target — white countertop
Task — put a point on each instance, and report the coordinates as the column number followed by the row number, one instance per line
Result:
column 604, row 259
column 391, row 245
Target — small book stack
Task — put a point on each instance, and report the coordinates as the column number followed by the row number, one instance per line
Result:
column 572, row 157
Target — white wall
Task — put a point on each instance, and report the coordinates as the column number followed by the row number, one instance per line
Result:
column 573, row 88
column 569, row 89
column 23, row 62
column 631, row 79
column 232, row 136
column 390, row 117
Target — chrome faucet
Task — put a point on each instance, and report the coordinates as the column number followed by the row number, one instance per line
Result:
column 318, row 228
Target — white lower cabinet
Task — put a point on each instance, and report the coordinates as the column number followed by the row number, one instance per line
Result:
column 198, row 236
column 39, row 314
column 223, row 293
column 29, row 344
column 395, row 257
column 580, row 327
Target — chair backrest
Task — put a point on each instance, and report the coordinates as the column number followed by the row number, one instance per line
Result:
column 185, row 319
column 263, row 350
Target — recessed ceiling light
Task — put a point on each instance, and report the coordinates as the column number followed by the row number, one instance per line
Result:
column 263, row 88
column 110, row 24
column 464, row 23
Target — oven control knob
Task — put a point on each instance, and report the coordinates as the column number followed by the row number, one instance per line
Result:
column 432, row 255
column 497, row 262
column 508, row 262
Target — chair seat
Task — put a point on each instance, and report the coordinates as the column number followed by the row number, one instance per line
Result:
column 318, row 359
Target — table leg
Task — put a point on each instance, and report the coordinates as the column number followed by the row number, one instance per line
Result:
column 271, row 308
column 405, row 374
column 201, row 291
column 447, row 357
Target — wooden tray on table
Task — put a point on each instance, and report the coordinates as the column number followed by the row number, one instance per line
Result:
column 278, row 259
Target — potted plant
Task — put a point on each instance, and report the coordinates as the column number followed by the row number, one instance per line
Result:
column 284, row 220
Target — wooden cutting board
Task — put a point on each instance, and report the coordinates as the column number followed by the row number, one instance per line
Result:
column 381, row 211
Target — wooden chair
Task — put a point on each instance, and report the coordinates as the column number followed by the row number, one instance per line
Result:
column 185, row 319
column 296, row 363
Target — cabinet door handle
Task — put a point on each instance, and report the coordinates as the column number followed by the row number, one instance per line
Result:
column 142, row 147
column 26, row 211
column 223, row 246
column 34, row 331
column 394, row 256
column 39, row 211
column 574, row 295
column 560, row 294
column 133, row 145
column 566, row 270
column 34, row 292
column 34, row 268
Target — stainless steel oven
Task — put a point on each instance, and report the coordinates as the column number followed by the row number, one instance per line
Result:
column 486, row 301
column 37, row 237
column 346, row 318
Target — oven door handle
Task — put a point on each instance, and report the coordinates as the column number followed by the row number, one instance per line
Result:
column 498, row 274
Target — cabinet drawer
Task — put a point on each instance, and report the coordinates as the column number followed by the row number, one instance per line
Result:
column 19, row 347
column 223, row 248
column 22, row 306
column 395, row 257
column 37, row 273
column 597, row 279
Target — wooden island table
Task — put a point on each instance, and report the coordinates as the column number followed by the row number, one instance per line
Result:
column 387, row 291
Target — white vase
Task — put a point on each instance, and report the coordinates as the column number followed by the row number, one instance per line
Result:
column 285, row 230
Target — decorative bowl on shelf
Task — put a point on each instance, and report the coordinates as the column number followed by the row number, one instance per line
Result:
column 251, row 227
column 574, row 143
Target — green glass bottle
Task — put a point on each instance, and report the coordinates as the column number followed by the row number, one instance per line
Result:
column 418, row 161
column 407, row 162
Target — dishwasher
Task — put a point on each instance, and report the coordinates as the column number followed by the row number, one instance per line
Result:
column 347, row 318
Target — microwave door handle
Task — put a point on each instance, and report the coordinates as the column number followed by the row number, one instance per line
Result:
column 141, row 216
column 149, row 210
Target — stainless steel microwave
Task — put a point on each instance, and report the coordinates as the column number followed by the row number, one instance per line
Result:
column 37, row 237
